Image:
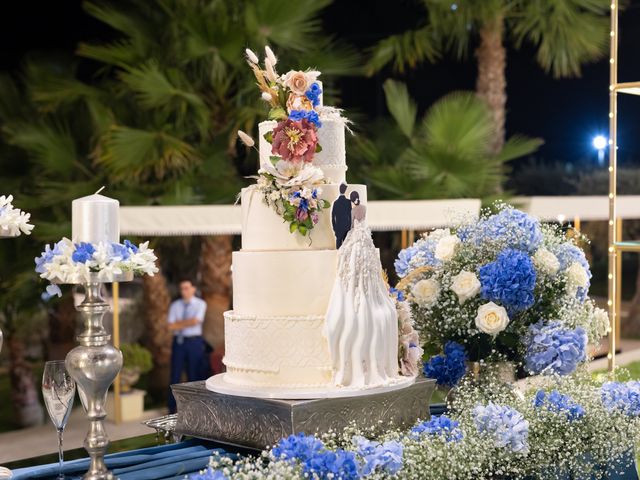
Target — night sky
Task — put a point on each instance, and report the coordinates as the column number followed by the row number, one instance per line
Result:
column 565, row 113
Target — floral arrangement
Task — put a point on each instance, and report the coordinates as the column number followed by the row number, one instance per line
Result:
column 566, row 427
column 69, row 262
column 13, row 221
column 504, row 287
column 288, row 182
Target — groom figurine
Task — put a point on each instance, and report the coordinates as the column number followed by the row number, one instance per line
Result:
column 341, row 216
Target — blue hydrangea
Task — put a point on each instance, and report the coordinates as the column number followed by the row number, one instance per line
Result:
column 439, row 425
column 310, row 115
column 510, row 280
column 622, row 397
column 558, row 403
column 313, row 93
column 514, row 229
column 397, row 294
column 448, row 368
column 552, row 348
column 386, row 457
column 83, row 253
column 506, row 426
column 311, row 453
column 132, row 248
column 208, row 474
column 567, row 254
column 401, row 264
column 120, row 251
column 47, row 256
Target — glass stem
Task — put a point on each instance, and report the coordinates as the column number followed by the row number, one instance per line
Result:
column 60, row 454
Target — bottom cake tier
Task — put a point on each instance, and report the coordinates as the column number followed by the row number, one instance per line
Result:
column 283, row 351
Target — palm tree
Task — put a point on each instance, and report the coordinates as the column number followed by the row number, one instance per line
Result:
column 447, row 154
column 565, row 35
column 171, row 90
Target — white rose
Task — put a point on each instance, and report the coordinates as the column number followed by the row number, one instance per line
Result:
column 465, row 285
column 577, row 276
column 446, row 247
column 546, row 262
column 426, row 292
column 492, row 318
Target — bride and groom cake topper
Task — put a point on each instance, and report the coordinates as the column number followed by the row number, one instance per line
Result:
column 344, row 212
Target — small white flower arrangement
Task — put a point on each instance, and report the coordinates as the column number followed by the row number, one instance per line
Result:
column 69, row 262
column 13, row 221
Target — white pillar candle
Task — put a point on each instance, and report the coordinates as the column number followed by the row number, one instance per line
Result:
column 95, row 219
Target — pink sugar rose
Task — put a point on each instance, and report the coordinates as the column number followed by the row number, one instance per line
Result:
column 295, row 140
column 301, row 214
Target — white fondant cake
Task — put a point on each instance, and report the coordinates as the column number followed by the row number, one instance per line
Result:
column 279, row 337
column 263, row 229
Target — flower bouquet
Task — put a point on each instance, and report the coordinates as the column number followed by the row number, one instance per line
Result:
column 288, row 182
column 502, row 288
column 69, row 262
column 13, row 221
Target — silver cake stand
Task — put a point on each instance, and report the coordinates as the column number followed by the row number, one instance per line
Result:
column 94, row 365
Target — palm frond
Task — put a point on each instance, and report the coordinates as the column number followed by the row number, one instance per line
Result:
column 518, row 146
column 404, row 50
column 292, row 25
column 566, row 34
column 120, row 53
column 401, row 106
column 136, row 155
column 50, row 146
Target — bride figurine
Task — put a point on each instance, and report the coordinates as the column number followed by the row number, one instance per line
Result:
column 362, row 324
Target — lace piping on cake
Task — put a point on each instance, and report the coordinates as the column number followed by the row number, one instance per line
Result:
column 232, row 315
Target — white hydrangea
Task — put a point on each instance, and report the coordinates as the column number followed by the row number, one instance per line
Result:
column 577, row 276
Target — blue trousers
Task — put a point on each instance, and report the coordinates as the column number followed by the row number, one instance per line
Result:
column 189, row 355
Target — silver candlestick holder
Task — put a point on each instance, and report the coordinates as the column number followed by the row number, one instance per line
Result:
column 94, row 365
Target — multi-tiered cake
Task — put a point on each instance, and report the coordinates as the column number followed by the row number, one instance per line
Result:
column 276, row 336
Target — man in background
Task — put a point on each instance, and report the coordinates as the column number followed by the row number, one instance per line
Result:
column 188, row 348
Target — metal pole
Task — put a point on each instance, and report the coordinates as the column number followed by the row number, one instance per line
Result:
column 618, row 302
column 613, row 231
column 117, row 407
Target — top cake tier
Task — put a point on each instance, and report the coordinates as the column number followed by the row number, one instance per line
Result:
column 332, row 159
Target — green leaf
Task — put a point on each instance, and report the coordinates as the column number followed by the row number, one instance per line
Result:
column 302, row 229
column 268, row 136
column 405, row 50
column 401, row 106
column 277, row 113
column 318, row 148
column 293, row 227
column 275, row 159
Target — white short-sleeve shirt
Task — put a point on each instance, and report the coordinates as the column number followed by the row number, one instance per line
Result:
column 181, row 310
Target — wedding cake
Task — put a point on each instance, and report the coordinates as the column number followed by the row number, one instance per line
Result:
column 307, row 316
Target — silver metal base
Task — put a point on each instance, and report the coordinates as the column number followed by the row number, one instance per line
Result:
column 261, row 422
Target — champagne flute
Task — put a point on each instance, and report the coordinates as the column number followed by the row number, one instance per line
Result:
column 58, row 390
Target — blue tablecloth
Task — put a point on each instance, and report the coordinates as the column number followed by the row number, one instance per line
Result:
column 166, row 462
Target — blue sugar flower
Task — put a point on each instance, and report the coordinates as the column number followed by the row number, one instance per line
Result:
column 439, row 425
column 622, row 397
column 313, row 94
column 447, row 368
column 83, row 253
column 132, row 248
column 385, row 456
column 507, row 426
column 513, row 228
column 310, row 115
column 552, row 348
column 510, row 280
column 558, row 403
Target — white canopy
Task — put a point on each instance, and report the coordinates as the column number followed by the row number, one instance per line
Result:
column 158, row 221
